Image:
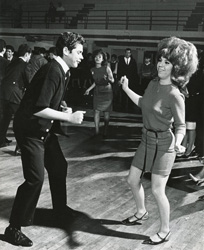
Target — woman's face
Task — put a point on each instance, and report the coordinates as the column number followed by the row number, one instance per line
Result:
column 164, row 68
column 98, row 59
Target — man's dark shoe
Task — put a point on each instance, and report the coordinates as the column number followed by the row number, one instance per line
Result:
column 16, row 237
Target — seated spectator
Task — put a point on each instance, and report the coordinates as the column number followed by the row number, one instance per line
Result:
column 50, row 15
column 60, row 12
column 17, row 14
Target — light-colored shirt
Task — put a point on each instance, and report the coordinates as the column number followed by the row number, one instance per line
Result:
column 62, row 63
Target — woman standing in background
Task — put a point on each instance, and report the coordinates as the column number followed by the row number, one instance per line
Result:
column 103, row 94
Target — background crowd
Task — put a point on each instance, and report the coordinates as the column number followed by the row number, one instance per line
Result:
column 159, row 88
column 82, row 79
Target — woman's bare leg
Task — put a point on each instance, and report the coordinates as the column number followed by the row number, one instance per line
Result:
column 97, row 121
column 158, row 190
column 137, row 191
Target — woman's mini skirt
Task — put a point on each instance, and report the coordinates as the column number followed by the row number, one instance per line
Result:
column 156, row 153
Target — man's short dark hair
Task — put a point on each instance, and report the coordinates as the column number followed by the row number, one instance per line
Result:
column 42, row 50
column 10, row 47
column 2, row 45
column 69, row 40
column 114, row 56
column 53, row 50
column 147, row 55
column 23, row 49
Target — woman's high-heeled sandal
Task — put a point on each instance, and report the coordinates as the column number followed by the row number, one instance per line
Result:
column 127, row 221
column 162, row 240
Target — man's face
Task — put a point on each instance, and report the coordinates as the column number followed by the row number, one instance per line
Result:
column 147, row 60
column 51, row 55
column 127, row 53
column 73, row 58
column 9, row 54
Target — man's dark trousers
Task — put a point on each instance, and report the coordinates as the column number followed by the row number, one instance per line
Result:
column 37, row 154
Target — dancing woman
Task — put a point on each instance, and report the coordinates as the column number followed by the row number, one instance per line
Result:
column 162, row 107
column 103, row 94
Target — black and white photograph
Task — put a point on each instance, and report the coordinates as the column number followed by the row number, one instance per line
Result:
column 102, row 124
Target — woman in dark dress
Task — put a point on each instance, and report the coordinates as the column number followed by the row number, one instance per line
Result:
column 103, row 94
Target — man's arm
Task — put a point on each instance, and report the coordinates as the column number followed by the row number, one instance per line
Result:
column 51, row 114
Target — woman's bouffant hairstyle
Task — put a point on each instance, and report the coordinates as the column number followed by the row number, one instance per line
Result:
column 69, row 40
column 182, row 55
column 104, row 55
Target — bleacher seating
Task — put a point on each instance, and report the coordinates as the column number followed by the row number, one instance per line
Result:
column 116, row 14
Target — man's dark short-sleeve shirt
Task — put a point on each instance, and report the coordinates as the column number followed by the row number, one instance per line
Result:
column 46, row 90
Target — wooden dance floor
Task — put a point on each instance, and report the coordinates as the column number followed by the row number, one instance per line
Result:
column 98, row 191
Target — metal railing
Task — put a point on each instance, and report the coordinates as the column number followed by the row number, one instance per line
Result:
column 103, row 19
column 146, row 19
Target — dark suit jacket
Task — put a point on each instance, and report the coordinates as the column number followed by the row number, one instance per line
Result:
column 129, row 70
column 35, row 63
column 15, row 81
column 3, row 65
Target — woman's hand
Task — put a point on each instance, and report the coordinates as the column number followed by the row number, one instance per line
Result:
column 180, row 150
column 105, row 77
column 86, row 92
column 124, row 82
column 66, row 109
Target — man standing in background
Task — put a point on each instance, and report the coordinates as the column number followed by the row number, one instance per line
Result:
column 12, row 89
column 3, row 62
column 127, row 66
column 3, row 65
column 10, row 53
